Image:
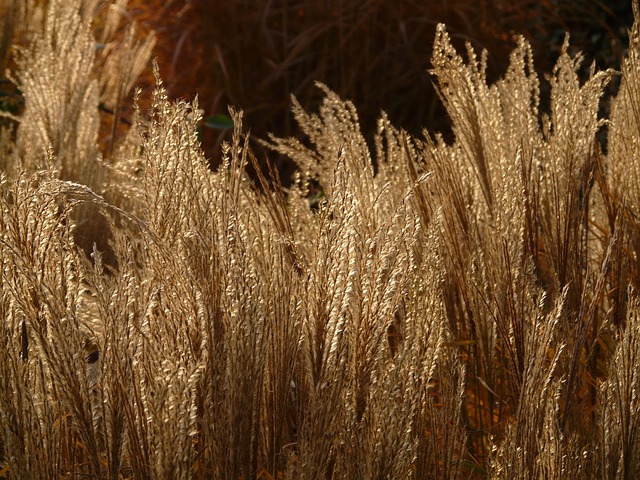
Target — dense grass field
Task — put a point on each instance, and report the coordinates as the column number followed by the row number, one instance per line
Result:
column 406, row 306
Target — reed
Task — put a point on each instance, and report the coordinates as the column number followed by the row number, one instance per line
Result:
column 418, row 308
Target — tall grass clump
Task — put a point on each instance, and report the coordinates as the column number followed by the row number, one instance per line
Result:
column 419, row 309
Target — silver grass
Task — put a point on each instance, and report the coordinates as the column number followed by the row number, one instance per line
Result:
column 427, row 309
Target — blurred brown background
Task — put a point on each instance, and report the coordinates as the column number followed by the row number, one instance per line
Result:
column 254, row 53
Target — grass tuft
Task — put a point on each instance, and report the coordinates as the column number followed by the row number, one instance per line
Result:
column 413, row 308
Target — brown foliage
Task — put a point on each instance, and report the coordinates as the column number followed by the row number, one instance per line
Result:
column 254, row 54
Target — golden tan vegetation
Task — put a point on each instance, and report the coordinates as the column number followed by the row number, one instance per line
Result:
column 422, row 310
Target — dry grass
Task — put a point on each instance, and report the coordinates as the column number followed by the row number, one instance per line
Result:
column 255, row 54
column 422, row 309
